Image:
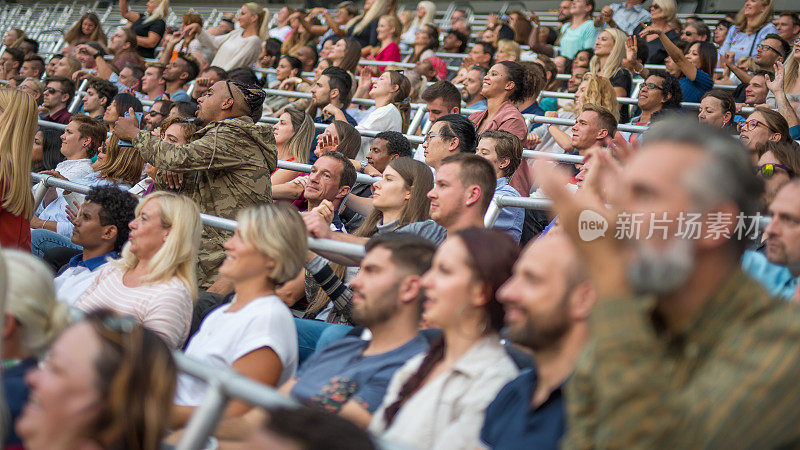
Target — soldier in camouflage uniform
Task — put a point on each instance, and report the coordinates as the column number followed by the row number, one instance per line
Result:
column 226, row 165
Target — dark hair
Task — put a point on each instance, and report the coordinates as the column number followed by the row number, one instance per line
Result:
column 433, row 34
column 352, row 54
column 792, row 15
column 89, row 127
column 136, row 71
column 125, row 102
column 349, row 138
column 701, row 27
column 461, row 37
column 408, row 250
column 339, row 79
column 535, row 77
column 516, row 74
column 396, row 143
column 316, row 429
column 552, row 36
column 765, row 73
column 400, row 97
column 348, row 175
column 491, row 256
column 166, row 104
column 460, row 127
column 785, row 46
column 708, row 55
column 444, row 90
column 727, row 102
column 117, row 208
column 17, row 54
column 605, row 118
column 190, row 66
column 590, row 52
column 488, row 48
column 670, row 86
column 51, row 149
column 38, row 60
column 475, row 170
column 481, row 69
column 221, row 73
column 67, row 86
column 245, row 75
column 29, row 45
column 105, row 89
column 506, row 146
column 787, row 153
column 272, row 47
column 505, row 32
column 185, row 109
column 315, row 53
column 295, row 63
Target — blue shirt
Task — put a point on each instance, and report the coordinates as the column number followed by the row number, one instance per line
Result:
column 91, row 263
column 339, row 372
column 510, row 422
column 775, row 279
column 16, row 393
column 510, row 219
column 480, row 105
column 693, row 90
column 536, row 110
column 628, row 18
column 180, row 96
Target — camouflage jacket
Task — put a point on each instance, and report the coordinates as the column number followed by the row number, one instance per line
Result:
column 226, row 166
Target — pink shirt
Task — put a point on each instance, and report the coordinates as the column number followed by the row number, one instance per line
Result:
column 508, row 118
column 165, row 308
column 390, row 53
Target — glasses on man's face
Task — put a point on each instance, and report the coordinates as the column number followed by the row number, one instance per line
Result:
column 768, row 170
column 430, row 136
column 154, row 113
column 750, row 125
column 653, row 86
column 51, row 90
column 767, row 47
column 688, row 33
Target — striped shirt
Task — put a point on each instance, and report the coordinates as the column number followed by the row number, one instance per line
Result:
column 165, row 308
column 728, row 379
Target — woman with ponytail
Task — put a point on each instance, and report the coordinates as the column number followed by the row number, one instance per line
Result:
column 392, row 104
column 438, row 400
column 241, row 47
column 149, row 28
column 32, row 317
column 18, row 122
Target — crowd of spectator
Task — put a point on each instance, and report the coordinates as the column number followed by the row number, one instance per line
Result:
column 653, row 302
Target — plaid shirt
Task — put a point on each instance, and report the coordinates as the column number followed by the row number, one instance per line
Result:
column 728, row 379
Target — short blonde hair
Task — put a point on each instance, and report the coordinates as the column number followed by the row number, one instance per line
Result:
column 278, row 231
column 177, row 257
column 31, row 300
column 669, row 7
column 509, row 47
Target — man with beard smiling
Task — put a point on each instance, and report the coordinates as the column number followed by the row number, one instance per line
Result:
column 226, row 165
column 547, row 303
column 686, row 350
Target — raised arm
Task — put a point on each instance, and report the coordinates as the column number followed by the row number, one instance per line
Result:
column 686, row 66
column 536, row 45
column 784, row 107
column 129, row 15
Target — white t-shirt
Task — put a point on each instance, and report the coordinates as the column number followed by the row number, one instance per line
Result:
column 224, row 337
column 165, row 308
column 385, row 118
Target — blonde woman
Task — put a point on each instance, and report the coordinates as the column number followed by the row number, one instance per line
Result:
column 255, row 333
column 364, row 27
column 240, row 47
column 662, row 13
column 18, row 123
column 791, row 80
column 154, row 280
column 609, row 51
column 33, row 317
column 753, row 24
column 425, row 15
column 294, row 136
column 149, row 28
column 507, row 50
column 594, row 89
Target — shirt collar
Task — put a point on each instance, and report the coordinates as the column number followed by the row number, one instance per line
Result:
column 502, row 181
column 91, row 263
column 484, row 352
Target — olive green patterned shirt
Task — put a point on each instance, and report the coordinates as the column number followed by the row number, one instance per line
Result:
column 730, row 378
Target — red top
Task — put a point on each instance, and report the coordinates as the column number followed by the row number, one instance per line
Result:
column 390, row 53
column 15, row 231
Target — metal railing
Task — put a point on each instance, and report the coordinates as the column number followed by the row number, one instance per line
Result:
column 502, row 201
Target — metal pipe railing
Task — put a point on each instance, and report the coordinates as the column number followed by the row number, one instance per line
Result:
column 499, row 202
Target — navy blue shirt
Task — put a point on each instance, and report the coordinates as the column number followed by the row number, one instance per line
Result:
column 321, row 119
column 536, row 110
column 693, row 90
column 16, row 393
column 511, row 423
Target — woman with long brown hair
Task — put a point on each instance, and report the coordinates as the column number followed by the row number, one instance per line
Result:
column 86, row 29
column 438, row 400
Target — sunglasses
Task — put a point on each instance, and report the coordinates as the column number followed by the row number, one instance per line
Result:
column 154, row 113
column 768, row 170
column 52, row 90
column 750, row 125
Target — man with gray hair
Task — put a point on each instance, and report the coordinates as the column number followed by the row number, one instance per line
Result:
column 687, row 351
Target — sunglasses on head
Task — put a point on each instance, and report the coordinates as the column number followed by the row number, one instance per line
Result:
column 768, row 170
